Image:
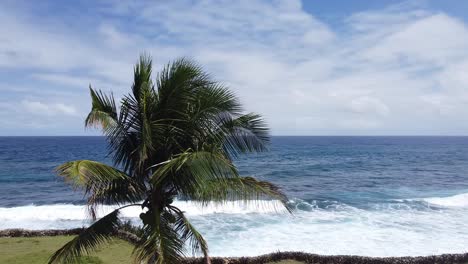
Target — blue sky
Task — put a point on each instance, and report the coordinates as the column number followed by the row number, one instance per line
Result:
column 311, row 68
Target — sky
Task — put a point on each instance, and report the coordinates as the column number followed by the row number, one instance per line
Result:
column 310, row 68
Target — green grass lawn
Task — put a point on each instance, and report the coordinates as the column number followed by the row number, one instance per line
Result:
column 34, row 250
column 37, row 250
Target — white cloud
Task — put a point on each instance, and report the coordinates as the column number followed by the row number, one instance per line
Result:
column 437, row 39
column 369, row 105
column 393, row 70
column 33, row 117
column 113, row 36
column 62, row 79
column 48, row 109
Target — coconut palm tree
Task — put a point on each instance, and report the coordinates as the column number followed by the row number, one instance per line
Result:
column 172, row 138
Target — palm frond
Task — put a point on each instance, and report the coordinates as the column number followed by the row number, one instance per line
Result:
column 160, row 241
column 103, row 184
column 98, row 233
column 189, row 233
column 212, row 100
column 103, row 111
column 177, row 85
column 242, row 134
column 171, row 247
column 190, row 170
column 83, row 172
column 142, row 76
column 123, row 139
column 239, row 189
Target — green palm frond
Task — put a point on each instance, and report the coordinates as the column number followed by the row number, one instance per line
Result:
column 83, row 172
column 103, row 184
column 191, row 170
column 160, row 242
column 147, row 248
column 98, row 233
column 171, row 246
column 179, row 82
column 239, row 189
column 245, row 133
column 188, row 232
column 130, row 141
column 103, row 112
column 142, row 76
column 212, row 100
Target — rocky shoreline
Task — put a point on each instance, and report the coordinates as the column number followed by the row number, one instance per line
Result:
column 277, row 256
column 338, row 259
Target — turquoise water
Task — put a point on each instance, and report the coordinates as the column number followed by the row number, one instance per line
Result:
column 378, row 196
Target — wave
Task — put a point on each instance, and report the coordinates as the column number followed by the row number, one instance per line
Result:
column 57, row 212
column 333, row 229
column 231, row 207
column 61, row 212
column 454, row 201
column 459, row 200
column 70, row 212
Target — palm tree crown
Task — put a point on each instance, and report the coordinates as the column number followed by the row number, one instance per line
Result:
column 174, row 137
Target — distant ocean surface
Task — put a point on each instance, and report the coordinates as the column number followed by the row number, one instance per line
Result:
column 373, row 196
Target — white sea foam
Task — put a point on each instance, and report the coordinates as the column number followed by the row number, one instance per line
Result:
column 68, row 215
column 236, row 229
column 232, row 207
column 460, row 200
column 78, row 212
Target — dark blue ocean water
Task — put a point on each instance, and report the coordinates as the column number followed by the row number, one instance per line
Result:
column 376, row 196
column 353, row 170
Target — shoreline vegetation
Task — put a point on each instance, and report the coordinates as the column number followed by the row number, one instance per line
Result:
column 276, row 257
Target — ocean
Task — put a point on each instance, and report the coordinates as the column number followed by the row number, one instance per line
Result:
column 371, row 196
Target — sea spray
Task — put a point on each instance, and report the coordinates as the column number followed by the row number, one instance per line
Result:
column 403, row 228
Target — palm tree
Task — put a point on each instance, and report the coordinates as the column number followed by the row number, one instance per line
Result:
column 172, row 138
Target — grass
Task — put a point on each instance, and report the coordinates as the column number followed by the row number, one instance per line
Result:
column 22, row 250
column 37, row 250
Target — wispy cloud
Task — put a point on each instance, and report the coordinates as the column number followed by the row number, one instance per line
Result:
column 400, row 69
column 54, row 109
